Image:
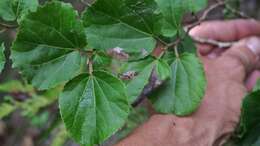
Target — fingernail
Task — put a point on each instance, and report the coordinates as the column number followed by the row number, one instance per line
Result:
column 254, row 45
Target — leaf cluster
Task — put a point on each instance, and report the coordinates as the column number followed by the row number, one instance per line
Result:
column 57, row 46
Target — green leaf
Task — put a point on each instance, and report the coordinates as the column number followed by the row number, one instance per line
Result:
column 137, row 84
column 2, row 57
column 15, row 86
column 163, row 70
column 127, row 24
column 11, row 10
column 60, row 138
column 40, row 120
column 137, row 116
column 6, row 109
column 257, row 86
column 250, row 112
column 169, row 56
column 144, row 68
column 183, row 93
column 251, row 138
column 257, row 143
column 173, row 12
column 196, row 5
column 187, row 45
column 47, row 46
column 94, row 107
column 101, row 61
column 31, row 106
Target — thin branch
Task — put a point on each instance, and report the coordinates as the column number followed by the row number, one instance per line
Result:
column 175, row 43
column 3, row 30
column 90, row 66
column 176, row 51
column 160, row 40
column 235, row 11
column 86, row 3
column 8, row 26
column 212, row 42
column 204, row 15
column 138, row 101
column 187, row 29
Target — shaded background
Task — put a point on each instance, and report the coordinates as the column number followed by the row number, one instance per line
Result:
column 45, row 127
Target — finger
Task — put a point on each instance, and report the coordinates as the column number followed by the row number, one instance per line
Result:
column 204, row 49
column 241, row 58
column 231, row 30
column 215, row 53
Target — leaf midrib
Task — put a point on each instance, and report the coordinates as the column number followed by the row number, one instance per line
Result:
column 80, row 99
column 106, row 98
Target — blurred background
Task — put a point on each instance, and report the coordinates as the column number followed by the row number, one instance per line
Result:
column 31, row 118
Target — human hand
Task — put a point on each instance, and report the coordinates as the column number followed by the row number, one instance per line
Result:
column 229, row 76
column 230, row 73
column 227, row 31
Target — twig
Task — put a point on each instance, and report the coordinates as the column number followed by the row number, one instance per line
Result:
column 8, row 26
column 237, row 12
column 86, row 3
column 212, row 42
column 138, row 101
column 89, row 54
column 3, row 30
column 187, row 29
column 204, row 15
column 90, row 66
column 176, row 51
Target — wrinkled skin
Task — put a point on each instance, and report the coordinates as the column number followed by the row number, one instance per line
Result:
column 230, row 74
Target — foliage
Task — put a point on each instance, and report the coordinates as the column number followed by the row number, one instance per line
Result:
column 95, row 104
column 61, row 52
column 2, row 57
column 11, row 10
column 248, row 130
column 24, row 97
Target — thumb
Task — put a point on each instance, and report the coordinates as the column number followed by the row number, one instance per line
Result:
column 242, row 57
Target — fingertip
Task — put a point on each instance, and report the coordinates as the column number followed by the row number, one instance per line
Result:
column 253, row 44
column 229, row 30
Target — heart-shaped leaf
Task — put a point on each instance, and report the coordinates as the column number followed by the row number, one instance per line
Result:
column 47, row 46
column 93, row 107
column 127, row 24
column 183, row 93
column 173, row 12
